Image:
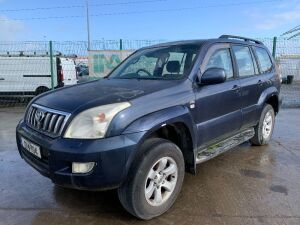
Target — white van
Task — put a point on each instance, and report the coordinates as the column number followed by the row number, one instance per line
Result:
column 31, row 75
column 68, row 69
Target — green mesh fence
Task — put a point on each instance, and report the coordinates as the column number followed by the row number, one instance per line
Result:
column 25, row 68
column 287, row 55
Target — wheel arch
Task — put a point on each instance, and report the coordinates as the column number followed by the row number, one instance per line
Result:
column 174, row 124
column 179, row 134
column 273, row 100
column 269, row 96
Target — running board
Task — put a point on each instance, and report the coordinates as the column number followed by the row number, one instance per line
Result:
column 223, row 146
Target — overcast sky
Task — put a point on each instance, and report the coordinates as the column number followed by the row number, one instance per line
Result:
column 145, row 19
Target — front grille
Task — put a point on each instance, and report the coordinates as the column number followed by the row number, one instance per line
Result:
column 48, row 121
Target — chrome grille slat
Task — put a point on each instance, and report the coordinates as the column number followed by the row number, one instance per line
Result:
column 48, row 121
column 58, row 124
column 32, row 116
column 29, row 114
column 52, row 122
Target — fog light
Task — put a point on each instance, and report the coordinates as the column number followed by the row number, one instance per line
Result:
column 82, row 167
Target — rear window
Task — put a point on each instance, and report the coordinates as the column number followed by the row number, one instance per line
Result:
column 244, row 61
column 264, row 60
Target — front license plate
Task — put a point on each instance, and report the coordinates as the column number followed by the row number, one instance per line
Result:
column 32, row 148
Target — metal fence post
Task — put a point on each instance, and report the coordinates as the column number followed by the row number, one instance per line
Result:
column 51, row 65
column 274, row 47
column 121, row 44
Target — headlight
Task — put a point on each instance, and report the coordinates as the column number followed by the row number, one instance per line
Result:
column 93, row 123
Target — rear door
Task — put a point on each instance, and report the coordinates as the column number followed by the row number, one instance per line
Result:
column 250, row 81
column 69, row 71
column 266, row 68
column 35, row 72
column 218, row 106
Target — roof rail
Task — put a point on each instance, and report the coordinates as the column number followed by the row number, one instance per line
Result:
column 241, row 38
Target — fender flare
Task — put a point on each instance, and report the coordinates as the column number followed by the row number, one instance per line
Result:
column 153, row 122
column 265, row 95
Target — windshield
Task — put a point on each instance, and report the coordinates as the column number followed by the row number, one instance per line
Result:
column 162, row 63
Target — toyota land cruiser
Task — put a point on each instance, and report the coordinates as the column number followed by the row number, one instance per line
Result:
column 163, row 110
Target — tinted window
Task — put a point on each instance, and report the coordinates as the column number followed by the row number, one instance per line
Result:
column 221, row 59
column 264, row 60
column 244, row 61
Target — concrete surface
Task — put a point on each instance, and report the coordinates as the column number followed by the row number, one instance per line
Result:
column 291, row 95
column 248, row 185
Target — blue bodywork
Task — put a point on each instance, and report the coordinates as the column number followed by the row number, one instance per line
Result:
column 219, row 112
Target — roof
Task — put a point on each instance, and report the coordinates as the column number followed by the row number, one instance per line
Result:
column 221, row 39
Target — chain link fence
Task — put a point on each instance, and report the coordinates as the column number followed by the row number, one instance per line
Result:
column 30, row 68
column 287, row 55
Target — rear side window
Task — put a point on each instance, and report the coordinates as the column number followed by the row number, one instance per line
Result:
column 244, row 61
column 221, row 59
column 264, row 60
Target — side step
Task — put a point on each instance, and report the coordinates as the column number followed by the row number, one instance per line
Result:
column 223, row 146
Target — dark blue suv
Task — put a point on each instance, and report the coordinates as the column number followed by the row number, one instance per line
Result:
column 163, row 110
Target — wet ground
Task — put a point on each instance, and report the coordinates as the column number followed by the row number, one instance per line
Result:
column 291, row 95
column 247, row 185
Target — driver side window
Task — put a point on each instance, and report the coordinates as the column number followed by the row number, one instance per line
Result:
column 221, row 58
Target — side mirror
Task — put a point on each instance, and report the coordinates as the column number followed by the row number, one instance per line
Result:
column 213, row 76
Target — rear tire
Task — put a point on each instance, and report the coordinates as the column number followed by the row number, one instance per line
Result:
column 154, row 181
column 264, row 129
column 41, row 90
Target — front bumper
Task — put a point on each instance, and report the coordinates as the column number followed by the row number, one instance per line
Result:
column 109, row 154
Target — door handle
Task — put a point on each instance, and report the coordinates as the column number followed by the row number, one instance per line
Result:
column 1, row 78
column 236, row 88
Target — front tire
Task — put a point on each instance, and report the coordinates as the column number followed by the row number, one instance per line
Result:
column 264, row 129
column 154, row 181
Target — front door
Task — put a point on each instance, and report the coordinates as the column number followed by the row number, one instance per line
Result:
column 218, row 109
